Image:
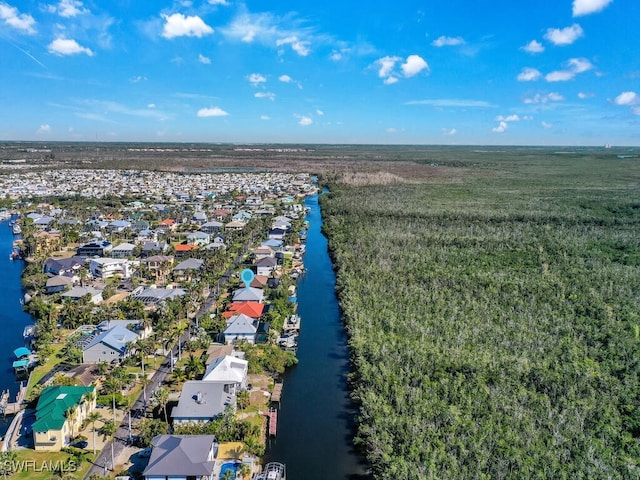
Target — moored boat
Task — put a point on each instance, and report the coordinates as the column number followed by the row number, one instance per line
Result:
column 273, row 471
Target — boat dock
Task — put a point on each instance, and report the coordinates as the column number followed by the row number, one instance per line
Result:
column 8, row 408
column 272, row 415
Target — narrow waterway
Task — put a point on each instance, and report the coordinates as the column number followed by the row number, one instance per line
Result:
column 12, row 318
column 315, row 424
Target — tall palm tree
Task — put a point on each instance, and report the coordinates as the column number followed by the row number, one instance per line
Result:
column 93, row 417
column 161, row 396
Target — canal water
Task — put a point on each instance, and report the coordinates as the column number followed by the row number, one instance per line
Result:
column 12, row 318
column 315, row 422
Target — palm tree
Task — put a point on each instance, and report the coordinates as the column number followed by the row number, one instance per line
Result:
column 113, row 385
column 161, row 397
column 194, row 366
column 244, row 470
column 72, row 415
column 228, row 475
column 93, row 417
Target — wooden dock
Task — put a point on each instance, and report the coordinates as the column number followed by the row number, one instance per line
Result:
column 276, row 395
column 7, row 408
column 272, row 415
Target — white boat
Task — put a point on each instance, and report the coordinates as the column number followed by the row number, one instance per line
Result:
column 16, row 229
column 273, row 471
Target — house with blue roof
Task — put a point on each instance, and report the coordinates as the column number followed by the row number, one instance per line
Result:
column 109, row 345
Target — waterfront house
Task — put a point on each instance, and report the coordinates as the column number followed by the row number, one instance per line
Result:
column 250, row 309
column 109, row 345
column 277, row 234
column 240, row 327
column 201, row 402
column 262, row 252
column 76, row 293
column 266, row 265
column 63, row 266
column 59, row 414
column 230, row 371
column 58, row 284
column 250, row 294
column 182, row 457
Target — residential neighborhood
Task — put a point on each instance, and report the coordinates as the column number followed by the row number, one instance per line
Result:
column 143, row 323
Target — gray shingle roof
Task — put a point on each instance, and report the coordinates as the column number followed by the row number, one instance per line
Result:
column 181, row 455
column 201, row 400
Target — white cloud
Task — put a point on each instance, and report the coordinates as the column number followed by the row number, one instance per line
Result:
column 68, row 8
column 304, row 120
column 501, row 128
column 627, row 98
column 546, row 124
column 44, row 129
column 20, row 21
column 336, row 56
column 579, row 65
column 151, row 105
column 443, row 41
column 386, row 65
column 585, row 7
column 583, row 95
column 179, row 25
column 559, row 76
column 574, row 66
column 269, row 95
column 265, row 117
column 549, row 97
column 529, row 75
column 67, row 46
column 218, row 2
column 319, row 113
column 203, row 59
column 509, row 118
column 449, row 132
column 564, row 36
column 533, row 47
column 298, row 46
column 414, row 65
column 138, row 78
column 285, row 78
column 256, row 79
column 212, row 112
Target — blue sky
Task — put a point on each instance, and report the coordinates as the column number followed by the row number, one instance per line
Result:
column 547, row 72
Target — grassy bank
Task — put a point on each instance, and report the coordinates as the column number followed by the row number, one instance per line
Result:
column 492, row 307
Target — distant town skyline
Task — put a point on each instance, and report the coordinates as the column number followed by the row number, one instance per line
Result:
column 408, row 72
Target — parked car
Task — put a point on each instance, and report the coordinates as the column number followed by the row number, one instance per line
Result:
column 80, row 444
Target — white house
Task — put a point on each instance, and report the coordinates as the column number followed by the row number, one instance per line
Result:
column 109, row 267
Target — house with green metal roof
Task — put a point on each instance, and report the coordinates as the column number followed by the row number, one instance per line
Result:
column 59, row 414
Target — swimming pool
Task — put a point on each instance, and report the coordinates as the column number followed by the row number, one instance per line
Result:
column 228, row 466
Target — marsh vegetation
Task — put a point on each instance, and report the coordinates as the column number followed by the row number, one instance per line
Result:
column 493, row 315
